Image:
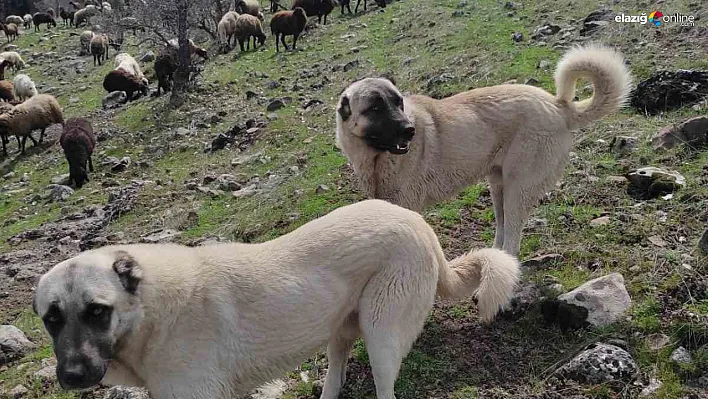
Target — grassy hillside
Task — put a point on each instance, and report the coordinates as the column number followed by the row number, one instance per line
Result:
column 296, row 174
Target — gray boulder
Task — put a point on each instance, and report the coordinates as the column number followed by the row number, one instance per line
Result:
column 13, row 344
column 59, row 192
column 651, row 182
column 601, row 363
column 605, row 298
column 693, row 132
column 114, row 99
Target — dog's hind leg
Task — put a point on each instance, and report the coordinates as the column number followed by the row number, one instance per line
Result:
column 338, row 355
column 496, row 188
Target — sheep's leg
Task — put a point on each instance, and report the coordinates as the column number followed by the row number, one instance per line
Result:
column 277, row 48
column 41, row 137
column 90, row 162
column 282, row 40
column 240, row 44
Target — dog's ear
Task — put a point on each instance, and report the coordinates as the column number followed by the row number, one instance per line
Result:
column 388, row 77
column 34, row 304
column 128, row 271
column 344, row 110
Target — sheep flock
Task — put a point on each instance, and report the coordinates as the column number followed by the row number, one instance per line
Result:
column 23, row 109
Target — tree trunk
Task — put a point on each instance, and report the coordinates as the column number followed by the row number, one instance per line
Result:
column 181, row 78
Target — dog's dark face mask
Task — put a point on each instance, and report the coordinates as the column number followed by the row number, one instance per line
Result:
column 84, row 310
column 375, row 111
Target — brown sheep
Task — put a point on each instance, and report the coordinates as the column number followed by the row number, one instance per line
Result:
column 122, row 80
column 319, row 8
column 285, row 23
column 66, row 16
column 11, row 31
column 50, row 11
column 39, row 112
column 226, row 29
column 165, row 67
column 5, row 108
column 248, row 26
column 4, row 64
column 6, row 91
column 99, row 49
column 77, row 141
column 43, row 18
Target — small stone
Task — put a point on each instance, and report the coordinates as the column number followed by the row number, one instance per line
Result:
column 61, row 179
column 532, row 82
column 251, row 94
column 114, row 99
column 58, row 192
column 650, row 390
column 542, row 262
column 658, row 241
column 624, row 144
column 166, row 235
column 681, row 356
column 148, row 57
column 121, row 164
column 601, row 363
column 544, row 64
column 658, row 341
column 275, row 105
column 245, row 192
column 46, row 374
column 350, row 65
column 517, row 37
column 13, row 344
column 616, row 179
column 293, row 169
column 74, row 100
column 19, row 391
column 601, row 221
column 321, row 189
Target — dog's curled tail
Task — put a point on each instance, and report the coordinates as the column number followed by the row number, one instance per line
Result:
column 610, row 77
column 489, row 274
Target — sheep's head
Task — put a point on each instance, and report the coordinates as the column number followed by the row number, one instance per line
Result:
column 300, row 13
column 4, row 124
column 78, row 174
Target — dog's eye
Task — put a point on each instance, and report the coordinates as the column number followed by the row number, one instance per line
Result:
column 98, row 311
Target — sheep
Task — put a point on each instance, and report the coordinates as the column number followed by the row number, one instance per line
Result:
column 248, row 26
column 28, row 21
column 122, row 80
column 51, row 12
column 39, row 112
column 126, row 62
column 3, row 64
column 165, row 67
column 193, row 49
column 85, row 40
column 380, row 3
column 11, row 31
column 84, row 14
column 319, row 8
column 14, row 19
column 24, row 87
column 77, row 141
column 14, row 59
column 251, row 7
column 131, row 23
column 66, row 16
column 6, row 91
column 226, row 29
column 99, row 49
column 285, row 23
column 5, row 108
column 43, row 18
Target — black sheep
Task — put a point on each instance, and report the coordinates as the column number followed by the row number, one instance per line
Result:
column 165, row 67
column 78, row 143
column 122, row 80
column 43, row 18
column 319, row 8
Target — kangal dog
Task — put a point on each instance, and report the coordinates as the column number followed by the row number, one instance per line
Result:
column 216, row 321
column 416, row 151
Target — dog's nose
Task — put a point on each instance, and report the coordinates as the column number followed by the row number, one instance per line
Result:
column 74, row 375
column 409, row 132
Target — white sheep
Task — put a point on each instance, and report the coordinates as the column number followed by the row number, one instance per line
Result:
column 27, row 21
column 14, row 19
column 14, row 59
column 24, row 87
column 127, row 63
column 85, row 40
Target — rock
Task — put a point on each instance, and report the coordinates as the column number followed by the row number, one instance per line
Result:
column 10, row 47
column 245, row 192
column 601, row 363
column 321, row 189
column 166, row 235
column 681, row 356
column 121, row 392
column 542, row 262
column 693, row 132
column 46, row 374
column 148, row 57
column 658, row 241
column 114, row 99
column 13, row 344
column 545, row 30
column 74, row 100
column 524, row 296
column 61, row 179
column 121, row 165
column 228, row 183
column 543, row 64
column 651, row 182
column 651, row 388
column 658, row 341
column 251, row 94
column 532, row 82
column 58, row 192
column 275, row 105
column 624, row 144
column 703, row 242
column 510, row 5
column 596, row 20
column 517, row 37
column 605, row 298
column 601, row 221
column 667, row 90
column 219, row 142
column 18, row 391
column 350, row 65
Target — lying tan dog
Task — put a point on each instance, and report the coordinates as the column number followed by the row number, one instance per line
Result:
column 416, row 151
column 215, row 322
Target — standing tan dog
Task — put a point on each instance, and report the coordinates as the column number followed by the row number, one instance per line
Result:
column 214, row 322
column 416, row 151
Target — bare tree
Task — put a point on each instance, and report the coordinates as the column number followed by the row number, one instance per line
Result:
column 184, row 58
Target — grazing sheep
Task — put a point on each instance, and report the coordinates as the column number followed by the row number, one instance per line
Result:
column 226, row 29
column 122, row 80
column 248, row 26
column 85, row 40
column 193, row 49
column 11, row 31
column 66, row 16
column 131, row 23
column 83, row 15
column 126, row 62
column 319, row 8
column 13, row 59
column 251, row 7
column 27, row 21
column 165, row 67
column 75, row 5
column 99, row 49
column 3, row 64
column 380, row 3
column 78, row 142
column 116, row 43
column 6, row 91
column 14, row 19
column 43, row 18
column 39, row 112
column 51, row 13
column 24, row 87
column 285, row 23
column 5, row 108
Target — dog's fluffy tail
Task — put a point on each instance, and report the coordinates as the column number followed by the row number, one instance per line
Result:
column 610, row 77
column 489, row 274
